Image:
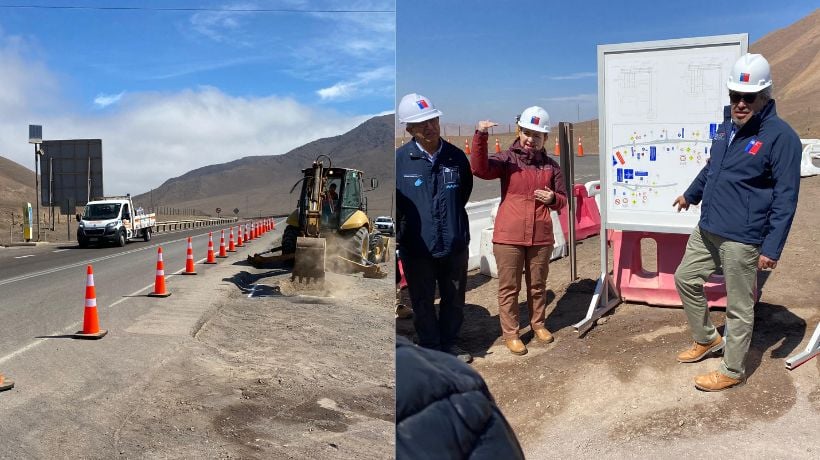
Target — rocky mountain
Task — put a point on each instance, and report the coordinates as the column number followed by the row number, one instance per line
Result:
column 261, row 184
column 794, row 54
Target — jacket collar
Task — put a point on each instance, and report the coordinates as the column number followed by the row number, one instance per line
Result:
column 538, row 157
column 417, row 153
column 768, row 111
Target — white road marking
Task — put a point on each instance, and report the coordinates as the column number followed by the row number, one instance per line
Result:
column 252, row 291
column 70, row 329
column 23, row 257
column 59, row 250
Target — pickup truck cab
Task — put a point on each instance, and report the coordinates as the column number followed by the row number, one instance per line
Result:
column 113, row 220
column 384, row 224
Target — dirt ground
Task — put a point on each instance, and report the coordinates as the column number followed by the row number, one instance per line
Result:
column 276, row 371
column 618, row 391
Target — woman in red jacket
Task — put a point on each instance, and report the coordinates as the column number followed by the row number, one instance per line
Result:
column 531, row 186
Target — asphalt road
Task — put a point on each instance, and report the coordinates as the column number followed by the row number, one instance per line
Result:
column 42, row 288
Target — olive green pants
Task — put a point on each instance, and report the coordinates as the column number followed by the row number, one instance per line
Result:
column 705, row 252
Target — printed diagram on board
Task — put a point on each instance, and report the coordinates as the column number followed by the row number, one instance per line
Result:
column 651, row 165
column 704, row 83
column 635, row 91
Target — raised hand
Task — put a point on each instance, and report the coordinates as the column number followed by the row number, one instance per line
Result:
column 484, row 125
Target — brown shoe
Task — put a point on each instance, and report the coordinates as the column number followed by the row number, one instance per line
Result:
column 516, row 346
column 543, row 335
column 715, row 381
column 699, row 350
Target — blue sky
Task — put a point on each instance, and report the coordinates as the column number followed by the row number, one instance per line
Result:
column 170, row 91
column 488, row 59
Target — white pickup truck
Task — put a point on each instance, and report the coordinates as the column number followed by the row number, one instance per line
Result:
column 113, row 219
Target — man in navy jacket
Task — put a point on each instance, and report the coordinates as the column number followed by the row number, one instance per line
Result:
column 748, row 193
column 433, row 184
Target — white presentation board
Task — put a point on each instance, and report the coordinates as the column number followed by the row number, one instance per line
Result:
column 659, row 103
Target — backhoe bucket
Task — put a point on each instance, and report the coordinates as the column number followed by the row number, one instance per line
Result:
column 310, row 258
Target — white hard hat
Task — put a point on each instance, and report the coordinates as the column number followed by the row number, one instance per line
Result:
column 415, row 108
column 750, row 74
column 535, row 118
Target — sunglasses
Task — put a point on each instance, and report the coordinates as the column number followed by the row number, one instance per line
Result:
column 748, row 98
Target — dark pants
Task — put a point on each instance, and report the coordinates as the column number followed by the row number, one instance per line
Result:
column 450, row 273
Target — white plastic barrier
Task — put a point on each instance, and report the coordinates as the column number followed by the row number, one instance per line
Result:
column 487, row 263
column 811, row 150
column 479, row 214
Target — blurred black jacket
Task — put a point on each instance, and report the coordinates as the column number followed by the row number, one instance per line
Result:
column 445, row 411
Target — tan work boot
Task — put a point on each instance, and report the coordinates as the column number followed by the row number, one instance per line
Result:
column 715, row 381
column 543, row 335
column 699, row 350
column 516, row 346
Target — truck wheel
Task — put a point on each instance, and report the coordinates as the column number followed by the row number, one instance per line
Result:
column 289, row 239
column 121, row 239
column 146, row 235
column 359, row 246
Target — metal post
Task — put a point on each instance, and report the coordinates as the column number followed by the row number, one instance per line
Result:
column 51, row 189
column 568, row 170
column 68, row 222
column 88, row 191
column 37, row 186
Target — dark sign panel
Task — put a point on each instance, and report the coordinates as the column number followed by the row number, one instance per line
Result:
column 71, row 173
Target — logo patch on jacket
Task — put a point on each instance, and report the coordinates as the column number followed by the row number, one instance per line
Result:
column 753, row 146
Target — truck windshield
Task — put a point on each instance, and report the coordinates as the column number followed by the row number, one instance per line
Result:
column 101, row 211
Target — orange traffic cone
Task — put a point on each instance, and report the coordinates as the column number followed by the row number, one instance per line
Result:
column 239, row 236
column 6, row 384
column 247, row 232
column 466, row 147
column 189, row 260
column 159, row 281
column 273, row 224
column 580, row 147
column 210, row 260
column 222, row 253
column 231, row 247
column 91, row 324
column 557, row 151
column 497, row 146
column 254, row 231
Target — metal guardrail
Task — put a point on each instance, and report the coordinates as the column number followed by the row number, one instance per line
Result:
column 171, row 225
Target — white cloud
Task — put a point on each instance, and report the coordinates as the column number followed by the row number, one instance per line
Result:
column 574, row 76
column 364, row 83
column 221, row 26
column 104, row 100
column 155, row 136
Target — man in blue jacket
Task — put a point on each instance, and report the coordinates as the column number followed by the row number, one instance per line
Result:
column 748, row 191
column 433, row 184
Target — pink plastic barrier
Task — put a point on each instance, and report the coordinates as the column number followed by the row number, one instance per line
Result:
column 655, row 288
column 587, row 216
column 402, row 280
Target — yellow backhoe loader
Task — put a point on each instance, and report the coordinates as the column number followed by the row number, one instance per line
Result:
column 330, row 219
